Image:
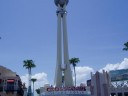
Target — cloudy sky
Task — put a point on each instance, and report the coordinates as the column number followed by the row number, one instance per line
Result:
column 97, row 30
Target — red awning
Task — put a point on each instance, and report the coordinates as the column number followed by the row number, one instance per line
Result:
column 10, row 80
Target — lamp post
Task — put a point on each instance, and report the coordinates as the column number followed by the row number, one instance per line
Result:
column 33, row 81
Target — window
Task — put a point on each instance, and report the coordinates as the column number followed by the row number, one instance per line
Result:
column 1, row 85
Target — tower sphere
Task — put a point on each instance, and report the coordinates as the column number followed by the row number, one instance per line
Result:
column 61, row 2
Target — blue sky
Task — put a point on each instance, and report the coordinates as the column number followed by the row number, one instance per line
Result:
column 97, row 30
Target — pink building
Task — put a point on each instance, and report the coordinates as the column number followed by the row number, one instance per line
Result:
column 10, row 83
column 100, row 84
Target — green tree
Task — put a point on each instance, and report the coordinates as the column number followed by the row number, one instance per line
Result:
column 125, row 46
column 29, row 64
column 33, row 81
column 74, row 61
column 38, row 91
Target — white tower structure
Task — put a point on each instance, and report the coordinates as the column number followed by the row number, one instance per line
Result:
column 63, row 74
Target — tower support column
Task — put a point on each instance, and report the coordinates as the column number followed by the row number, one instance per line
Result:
column 63, row 75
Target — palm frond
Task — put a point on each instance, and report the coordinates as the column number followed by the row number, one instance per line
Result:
column 125, row 46
column 73, row 61
column 28, row 64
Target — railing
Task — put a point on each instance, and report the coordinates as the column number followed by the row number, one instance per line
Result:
column 10, row 88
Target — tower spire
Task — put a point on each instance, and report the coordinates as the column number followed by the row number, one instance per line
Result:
column 63, row 74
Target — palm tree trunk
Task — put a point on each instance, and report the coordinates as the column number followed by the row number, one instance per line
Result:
column 29, row 86
column 29, row 77
column 75, row 75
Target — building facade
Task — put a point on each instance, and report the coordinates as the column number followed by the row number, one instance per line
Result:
column 100, row 84
column 109, row 84
column 10, row 83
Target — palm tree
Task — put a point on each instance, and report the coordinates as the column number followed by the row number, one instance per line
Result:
column 33, row 81
column 73, row 61
column 29, row 64
column 126, row 46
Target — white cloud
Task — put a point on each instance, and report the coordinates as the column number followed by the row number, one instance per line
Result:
column 83, row 74
column 41, row 79
column 122, row 65
column 24, row 79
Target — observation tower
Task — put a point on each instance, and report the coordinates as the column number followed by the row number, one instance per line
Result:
column 63, row 74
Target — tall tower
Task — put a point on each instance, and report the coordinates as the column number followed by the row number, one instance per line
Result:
column 63, row 74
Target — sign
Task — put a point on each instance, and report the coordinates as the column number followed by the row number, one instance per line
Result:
column 65, row 91
column 119, row 75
